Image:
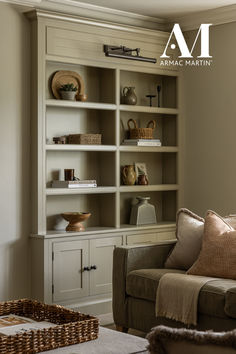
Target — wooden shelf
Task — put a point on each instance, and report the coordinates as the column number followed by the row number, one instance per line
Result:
column 130, row 148
column 95, row 231
column 71, row 147
column 78, row 104
column 149, row 188
column 73, row 191
column 147, row 109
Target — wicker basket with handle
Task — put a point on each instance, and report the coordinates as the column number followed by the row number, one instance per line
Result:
column 141, row 133
column 71, row 327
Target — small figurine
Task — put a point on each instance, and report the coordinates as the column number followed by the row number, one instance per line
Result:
column 150, row 97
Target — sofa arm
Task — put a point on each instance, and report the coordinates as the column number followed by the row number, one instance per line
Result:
column 126, row 259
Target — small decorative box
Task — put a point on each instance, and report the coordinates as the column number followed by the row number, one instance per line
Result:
column 85, row 139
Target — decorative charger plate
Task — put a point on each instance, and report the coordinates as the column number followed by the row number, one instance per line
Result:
column 63, row 77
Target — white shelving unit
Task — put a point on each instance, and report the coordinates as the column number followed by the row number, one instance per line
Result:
column 104, row 112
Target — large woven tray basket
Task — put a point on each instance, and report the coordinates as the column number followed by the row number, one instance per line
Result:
column 72, row 327
column 141, row 133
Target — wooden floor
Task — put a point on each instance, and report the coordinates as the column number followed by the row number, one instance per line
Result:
column 107, row 321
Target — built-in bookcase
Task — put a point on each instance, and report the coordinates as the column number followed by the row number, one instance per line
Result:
column 105, row 113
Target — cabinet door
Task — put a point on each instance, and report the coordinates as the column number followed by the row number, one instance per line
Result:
column 70, row 281
column 101, row 255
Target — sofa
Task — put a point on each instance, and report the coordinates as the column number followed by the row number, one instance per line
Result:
column 136, row 273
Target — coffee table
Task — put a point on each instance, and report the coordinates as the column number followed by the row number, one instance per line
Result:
column 108, row 342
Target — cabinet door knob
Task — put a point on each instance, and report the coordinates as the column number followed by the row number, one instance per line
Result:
column 93, row 267
column 87, row 269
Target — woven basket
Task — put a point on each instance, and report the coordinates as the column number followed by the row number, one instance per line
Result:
column 141, row 133
column 85, row 139
column 72, row 327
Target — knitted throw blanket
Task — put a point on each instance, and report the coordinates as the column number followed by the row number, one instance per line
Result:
column 177, row 297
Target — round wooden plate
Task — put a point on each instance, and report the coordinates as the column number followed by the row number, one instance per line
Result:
column 63, row 77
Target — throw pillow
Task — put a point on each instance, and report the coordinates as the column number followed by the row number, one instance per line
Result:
column 189, row 231
column 218, row 254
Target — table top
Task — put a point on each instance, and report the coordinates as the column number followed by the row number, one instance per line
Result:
column 108, row 342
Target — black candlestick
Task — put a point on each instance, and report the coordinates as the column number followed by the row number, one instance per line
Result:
column 150, row 97
column 159, row 96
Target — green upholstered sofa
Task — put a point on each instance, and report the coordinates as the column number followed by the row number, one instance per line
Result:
column 136, row 273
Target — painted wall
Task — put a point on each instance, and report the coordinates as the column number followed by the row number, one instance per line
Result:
column 14, row 153
column 210, row 127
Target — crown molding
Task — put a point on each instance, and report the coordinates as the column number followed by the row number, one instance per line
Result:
column 31, row 3
column 218, row 16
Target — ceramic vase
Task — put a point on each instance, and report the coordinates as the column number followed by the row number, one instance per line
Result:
column 129, row 95
column 143, row 213
column 128, row 175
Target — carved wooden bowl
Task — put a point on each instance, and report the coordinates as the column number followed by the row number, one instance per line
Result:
column 75, row 219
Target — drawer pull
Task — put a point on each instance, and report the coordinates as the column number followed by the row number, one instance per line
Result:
column 87, row 269
column 93, row 267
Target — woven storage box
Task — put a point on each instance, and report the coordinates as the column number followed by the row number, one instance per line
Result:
column 72, row 327
column 141, row 133
column 85, row 139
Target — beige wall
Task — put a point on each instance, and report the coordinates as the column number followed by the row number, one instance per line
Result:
column 14, row 153
column 210, row 127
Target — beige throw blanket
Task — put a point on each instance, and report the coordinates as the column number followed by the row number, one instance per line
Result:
column 177, row 296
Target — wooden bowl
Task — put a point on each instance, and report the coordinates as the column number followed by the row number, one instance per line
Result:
column 75, row 219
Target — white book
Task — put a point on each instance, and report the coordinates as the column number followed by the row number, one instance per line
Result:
column 141, row 140
column 143, row 143
column 74, row 184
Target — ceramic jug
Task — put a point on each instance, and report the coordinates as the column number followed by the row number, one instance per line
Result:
column 128, row 175
column 129, row 95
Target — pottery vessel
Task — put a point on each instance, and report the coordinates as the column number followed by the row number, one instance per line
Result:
column 143, row 213
column 128, row 175
column 68, row 95
column 142, row 180
column 129, row 95
column 75, row 220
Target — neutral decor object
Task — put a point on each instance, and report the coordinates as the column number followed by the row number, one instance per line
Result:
column 64, row 77
column 150, row 99
column 128, row 175
column 163, row 340
column 189, row 231
column 143, row 213
column 69, row 174
column 85, row 139
column 68, row 92
column 71, row 327
column 129, row 95
column 142, row 180
column 141, row 133
column 59, row 139
column 123, row 52
column 158, row 96
column 137, row 271
column 75, row 219
column 140, row 170
column 218, row 253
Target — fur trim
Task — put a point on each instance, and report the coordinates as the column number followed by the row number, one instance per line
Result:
column 161, row 334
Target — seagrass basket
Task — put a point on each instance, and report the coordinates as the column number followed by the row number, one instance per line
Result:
column 71, row 327
column 141, row 133
column 85, row 139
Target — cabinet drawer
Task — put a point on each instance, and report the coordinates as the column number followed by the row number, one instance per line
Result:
column 166, row 235
column 142, row 238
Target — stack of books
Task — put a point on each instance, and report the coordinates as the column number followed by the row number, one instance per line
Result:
column 86, row 183
column 142, row 142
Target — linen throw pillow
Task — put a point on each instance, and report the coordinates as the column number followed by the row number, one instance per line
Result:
column 218, row 254
column 189, row 231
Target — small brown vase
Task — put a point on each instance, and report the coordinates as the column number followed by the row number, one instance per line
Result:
column 142, row 180
column 128, row 175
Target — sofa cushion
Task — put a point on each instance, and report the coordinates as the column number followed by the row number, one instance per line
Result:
column 218, row 253
column 143, row 284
